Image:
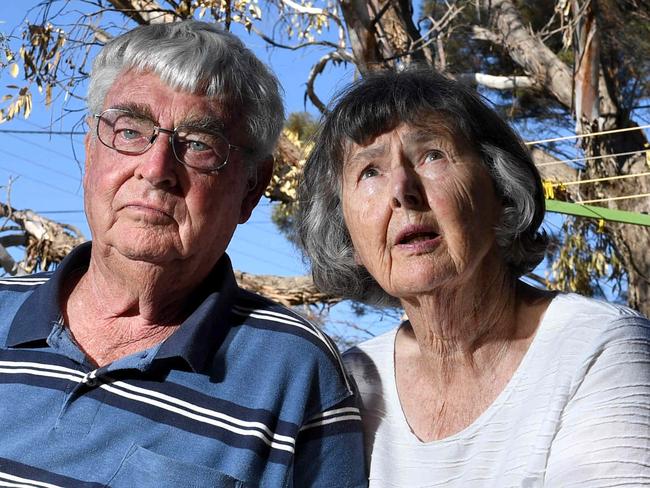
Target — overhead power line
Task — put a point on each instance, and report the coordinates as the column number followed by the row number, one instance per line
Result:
column 43, row 132
column 611, row 199
column 581, row 136
column 590, row 158
column 604, row 178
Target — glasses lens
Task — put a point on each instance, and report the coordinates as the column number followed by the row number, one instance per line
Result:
column 201, row 150
column 124, row 131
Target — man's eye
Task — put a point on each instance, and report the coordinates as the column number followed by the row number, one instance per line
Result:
column 128, row 134
column 368, row 172
column 432, row 156
column 197, row 146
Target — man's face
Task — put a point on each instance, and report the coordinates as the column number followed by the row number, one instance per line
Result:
column 150, row 207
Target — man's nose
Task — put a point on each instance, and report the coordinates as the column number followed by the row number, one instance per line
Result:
column 158, row 165
column 406, row 189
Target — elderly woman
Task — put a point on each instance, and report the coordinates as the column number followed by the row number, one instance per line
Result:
column 416, row 193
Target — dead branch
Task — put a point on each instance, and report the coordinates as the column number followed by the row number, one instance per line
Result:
column 289, row 291
column 497, row 82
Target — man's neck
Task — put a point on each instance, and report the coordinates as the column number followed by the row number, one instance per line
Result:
column 115, row 309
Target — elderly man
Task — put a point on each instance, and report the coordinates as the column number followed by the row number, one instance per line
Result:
column 139, row 362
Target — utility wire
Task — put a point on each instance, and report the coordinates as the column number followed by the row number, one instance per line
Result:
column 590, row 158
column 48, row 149
column 58, row 211
column 43, row 132
column 611, row 199
column 36, row 180
column 605, row 178
column 23, row 159
column 232, row 251
column 581, row 136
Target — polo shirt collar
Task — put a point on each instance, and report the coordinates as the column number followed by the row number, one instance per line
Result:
column 205, row 329
column 41, row 310
column 194, row 341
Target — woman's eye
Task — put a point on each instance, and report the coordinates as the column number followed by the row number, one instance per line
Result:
column 433, row 155
column 368, row 172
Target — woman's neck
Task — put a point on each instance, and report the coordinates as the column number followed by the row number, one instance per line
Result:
column 462, row 317
column 459, row 350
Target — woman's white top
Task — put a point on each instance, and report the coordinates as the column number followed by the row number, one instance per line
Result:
column 575, row 413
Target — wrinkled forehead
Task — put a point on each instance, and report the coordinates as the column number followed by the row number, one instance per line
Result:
column 421, row 127
column 136, row 91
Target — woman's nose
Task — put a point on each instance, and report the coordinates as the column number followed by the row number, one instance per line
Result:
column 406, row 188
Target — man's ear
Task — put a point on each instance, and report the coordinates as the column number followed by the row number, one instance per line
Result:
column 88, row 146
column 257, row 183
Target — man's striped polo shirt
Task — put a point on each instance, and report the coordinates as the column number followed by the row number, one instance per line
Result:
column 244, row 393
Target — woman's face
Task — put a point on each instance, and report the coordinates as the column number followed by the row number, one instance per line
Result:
column 420, row 208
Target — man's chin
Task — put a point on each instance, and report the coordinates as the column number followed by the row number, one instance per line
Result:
column 152, row 254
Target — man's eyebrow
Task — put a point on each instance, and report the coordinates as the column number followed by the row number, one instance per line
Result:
column 204, row 122
column 136, row 109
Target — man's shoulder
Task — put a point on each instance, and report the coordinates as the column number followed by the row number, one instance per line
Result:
column 13, row 293
column 285, row 329
column 25, row 283
column 370, row 360
column 262, row 313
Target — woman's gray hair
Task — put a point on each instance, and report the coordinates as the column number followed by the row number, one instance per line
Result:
column 201, row 58
column 378, row 104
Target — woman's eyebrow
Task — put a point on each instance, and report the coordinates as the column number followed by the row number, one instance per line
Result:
column 422, row 135
column 367, row 153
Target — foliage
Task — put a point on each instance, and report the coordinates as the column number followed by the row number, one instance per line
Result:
column 461, row 37
column 302, row 126
column 584, row 259
column 299, row 129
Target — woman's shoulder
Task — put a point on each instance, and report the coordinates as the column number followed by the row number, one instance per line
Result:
column 576, row 323
column 371, row 359
column 377, row 347
column 574, row 303
column 580, row 312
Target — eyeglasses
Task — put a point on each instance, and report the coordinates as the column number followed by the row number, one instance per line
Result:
column 130, row 133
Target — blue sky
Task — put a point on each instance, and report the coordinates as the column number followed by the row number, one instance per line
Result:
column 47, row 169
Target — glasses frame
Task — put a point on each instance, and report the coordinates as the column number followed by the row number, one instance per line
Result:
column 171, row 133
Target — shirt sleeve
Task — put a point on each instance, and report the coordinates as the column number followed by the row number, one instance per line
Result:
column 329, row 449
column 604, row 435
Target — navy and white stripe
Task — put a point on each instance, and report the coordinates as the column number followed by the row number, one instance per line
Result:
column 299, row 324
column 24, row 281
column 19, row 475
column 244, row 388
column 157, row 400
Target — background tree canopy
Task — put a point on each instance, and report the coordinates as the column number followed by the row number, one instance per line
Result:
column 552, row 67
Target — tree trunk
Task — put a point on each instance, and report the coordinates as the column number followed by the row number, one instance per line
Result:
column 596, row 110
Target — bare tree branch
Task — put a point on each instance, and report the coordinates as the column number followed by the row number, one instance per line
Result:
column 289, row 291
column 318, row 68
column 497, row 82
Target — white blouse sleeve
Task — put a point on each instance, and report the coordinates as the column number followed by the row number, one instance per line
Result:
column 604, row 435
